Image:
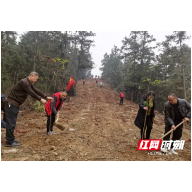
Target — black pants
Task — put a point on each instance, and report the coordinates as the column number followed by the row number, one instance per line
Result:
column 48, row 121
column 11, row 118
column 96, row 81
column 177, row 134
column 4, row 115
column 121, row 100
column 148, row 126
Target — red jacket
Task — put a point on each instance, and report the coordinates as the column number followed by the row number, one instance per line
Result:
column 48, row 105
column 122, row 95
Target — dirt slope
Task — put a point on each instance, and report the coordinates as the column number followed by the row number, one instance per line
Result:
column 97, row 129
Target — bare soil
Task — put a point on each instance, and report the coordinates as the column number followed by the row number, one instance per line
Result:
column 97, row 129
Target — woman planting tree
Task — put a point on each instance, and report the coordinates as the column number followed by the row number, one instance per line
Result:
column 146, row 114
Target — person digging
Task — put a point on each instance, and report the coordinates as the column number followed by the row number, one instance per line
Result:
column 176, row 111
column 52, row 109
column 15, row 99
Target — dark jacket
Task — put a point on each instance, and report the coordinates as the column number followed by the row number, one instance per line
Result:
column 184, row 108
column 54, row 103
column 21, row 90
column 139, row 121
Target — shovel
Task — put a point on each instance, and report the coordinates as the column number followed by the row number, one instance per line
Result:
column 58, row 125
column 172, row 129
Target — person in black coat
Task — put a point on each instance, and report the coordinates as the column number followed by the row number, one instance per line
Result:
column 3, row 98
column 176, row 110
column 143, row 109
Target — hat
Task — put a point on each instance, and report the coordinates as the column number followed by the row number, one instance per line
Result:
column 3, row 97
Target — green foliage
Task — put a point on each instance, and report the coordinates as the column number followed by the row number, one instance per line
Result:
column 145, row 103
column 38, row 107
column 55, row 55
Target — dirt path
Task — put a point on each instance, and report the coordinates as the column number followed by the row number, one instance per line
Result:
column 97, row 129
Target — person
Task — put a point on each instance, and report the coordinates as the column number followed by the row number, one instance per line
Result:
column 96, row 80
column 83, row 81
column 176, row 110
column 121, row 98
column 3, row 98
column 3, row 124
column 15, row 99
column 100, row 84
column 144, row 110
column 54, row 108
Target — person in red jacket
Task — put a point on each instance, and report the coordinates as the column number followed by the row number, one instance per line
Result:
column 54, row 108
column 96, row 80
column 121, row 98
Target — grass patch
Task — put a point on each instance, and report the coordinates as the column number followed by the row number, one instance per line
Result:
column 185, row 133
column 11, row 155
column 91, row 87
column 73, row 125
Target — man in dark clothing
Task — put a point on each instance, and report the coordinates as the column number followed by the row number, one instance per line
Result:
column 3, row 98
column 176, row 110
column 15, row 99
column 121, row 98
column 53, row 109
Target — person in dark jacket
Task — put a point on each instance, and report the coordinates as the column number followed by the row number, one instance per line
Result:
column 3, row 98
column 15, row 99
column 146, row 110
column 176, row 110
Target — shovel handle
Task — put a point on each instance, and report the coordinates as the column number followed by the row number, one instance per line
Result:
column 172, row 129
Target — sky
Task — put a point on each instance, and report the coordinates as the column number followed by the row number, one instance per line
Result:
column 105, row 41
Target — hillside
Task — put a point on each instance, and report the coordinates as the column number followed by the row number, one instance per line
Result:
column 97, row 129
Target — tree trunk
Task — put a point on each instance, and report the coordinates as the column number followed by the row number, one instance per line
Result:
column 37, row 49
column 184, row 82
column 131, row 94
column 17, row 78
column 14, row 78
column 137, row 96
column 34, row 63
